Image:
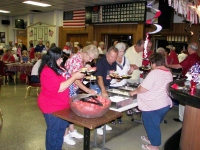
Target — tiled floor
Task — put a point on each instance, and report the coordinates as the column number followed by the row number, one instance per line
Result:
column 24, row 126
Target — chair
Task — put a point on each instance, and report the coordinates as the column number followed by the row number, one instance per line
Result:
column 30, row 85
column 5, row 73
column 1, row 119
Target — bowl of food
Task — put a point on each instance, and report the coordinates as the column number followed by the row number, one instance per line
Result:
column 90, row 107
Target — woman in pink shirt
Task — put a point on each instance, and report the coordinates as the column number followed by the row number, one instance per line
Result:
column 54, row 96
column 153, row 100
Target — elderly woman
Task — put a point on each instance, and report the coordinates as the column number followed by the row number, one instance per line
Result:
column 123, row 65
column 73, row 64
column 165, row 53
column 153, row 100
column 54, row 96
column 123, row 68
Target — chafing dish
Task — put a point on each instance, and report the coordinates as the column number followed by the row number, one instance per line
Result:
column 127, row 88
column 120, row 98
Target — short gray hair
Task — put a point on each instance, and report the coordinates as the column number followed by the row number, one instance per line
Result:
column 193, row 46
column 160, row 49
column 68, row 44
column 120, row 46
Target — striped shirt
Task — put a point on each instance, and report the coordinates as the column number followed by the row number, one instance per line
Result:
column 156, row 97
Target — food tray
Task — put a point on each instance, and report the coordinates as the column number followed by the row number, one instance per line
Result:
column 127, row 88
column 120, row 101
column 112, row 92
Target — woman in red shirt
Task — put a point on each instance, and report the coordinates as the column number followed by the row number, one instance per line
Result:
column 54, row 96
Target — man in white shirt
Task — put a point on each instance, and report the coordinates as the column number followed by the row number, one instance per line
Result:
column 135, row 56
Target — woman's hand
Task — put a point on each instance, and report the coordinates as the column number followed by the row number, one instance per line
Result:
column 90, row 91
column 78, row 75
column 132, row 93
column 104, row 94
column 134, row 66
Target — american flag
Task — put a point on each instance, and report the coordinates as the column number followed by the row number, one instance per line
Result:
column 74, row 19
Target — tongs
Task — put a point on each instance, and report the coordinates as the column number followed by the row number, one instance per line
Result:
column 87, row 99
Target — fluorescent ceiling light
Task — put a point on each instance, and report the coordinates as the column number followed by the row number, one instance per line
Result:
column 37, row 3
column 4, row 11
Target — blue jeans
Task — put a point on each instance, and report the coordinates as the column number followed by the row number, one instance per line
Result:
column 54, row 132
column 151, row 121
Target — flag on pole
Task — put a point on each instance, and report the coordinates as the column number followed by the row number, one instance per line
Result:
column 74, row 19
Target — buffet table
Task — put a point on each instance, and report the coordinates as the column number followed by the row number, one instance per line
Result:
column 88, row 123
column 191, row 122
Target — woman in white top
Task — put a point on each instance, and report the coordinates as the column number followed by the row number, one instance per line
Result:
column 123, row 68
column 123, row 65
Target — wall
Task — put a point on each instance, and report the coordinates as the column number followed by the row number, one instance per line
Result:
column 56, row 18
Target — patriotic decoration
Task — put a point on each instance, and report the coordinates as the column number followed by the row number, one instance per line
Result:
column 150, row 21
column 188, row 9
column 50, row 33
column 74, row 19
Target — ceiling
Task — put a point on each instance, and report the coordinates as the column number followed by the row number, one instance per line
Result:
column 17, row 8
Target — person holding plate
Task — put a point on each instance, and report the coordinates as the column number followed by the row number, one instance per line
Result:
column 75, row 63
column 123, row 66
column 153, row 100
column 123, row 69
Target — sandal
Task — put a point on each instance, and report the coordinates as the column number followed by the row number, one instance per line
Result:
column 129, row 112
column 145, row 146
column 145, row 138
column 149, row 147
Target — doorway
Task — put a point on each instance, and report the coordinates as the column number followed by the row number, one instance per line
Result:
column 109, row 38
column 77, row 39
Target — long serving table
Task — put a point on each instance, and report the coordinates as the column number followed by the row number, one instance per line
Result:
column 88, row 123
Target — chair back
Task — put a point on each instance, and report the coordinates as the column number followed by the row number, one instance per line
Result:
column 32, row 83
column 2, row 68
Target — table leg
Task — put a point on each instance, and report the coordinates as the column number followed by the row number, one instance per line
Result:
column 86, row 143
column 95, row 137
column 104, row 136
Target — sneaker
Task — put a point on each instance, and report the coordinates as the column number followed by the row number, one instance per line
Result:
column 113, row 122
column 100, row 131
column 68, row 139
column 75, row 134
column 108, row 128
column 119, row 120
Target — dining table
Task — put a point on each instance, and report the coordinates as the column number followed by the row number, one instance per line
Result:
column 19, row 67
column 88, row 123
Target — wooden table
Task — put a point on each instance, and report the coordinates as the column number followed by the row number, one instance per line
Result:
column 87, row 123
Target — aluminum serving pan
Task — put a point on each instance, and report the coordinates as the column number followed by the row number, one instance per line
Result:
column 112, row 92
column 127, row 88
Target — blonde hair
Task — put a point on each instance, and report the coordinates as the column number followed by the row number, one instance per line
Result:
column 101, row 43
column 91, row 49
column 87, row 43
